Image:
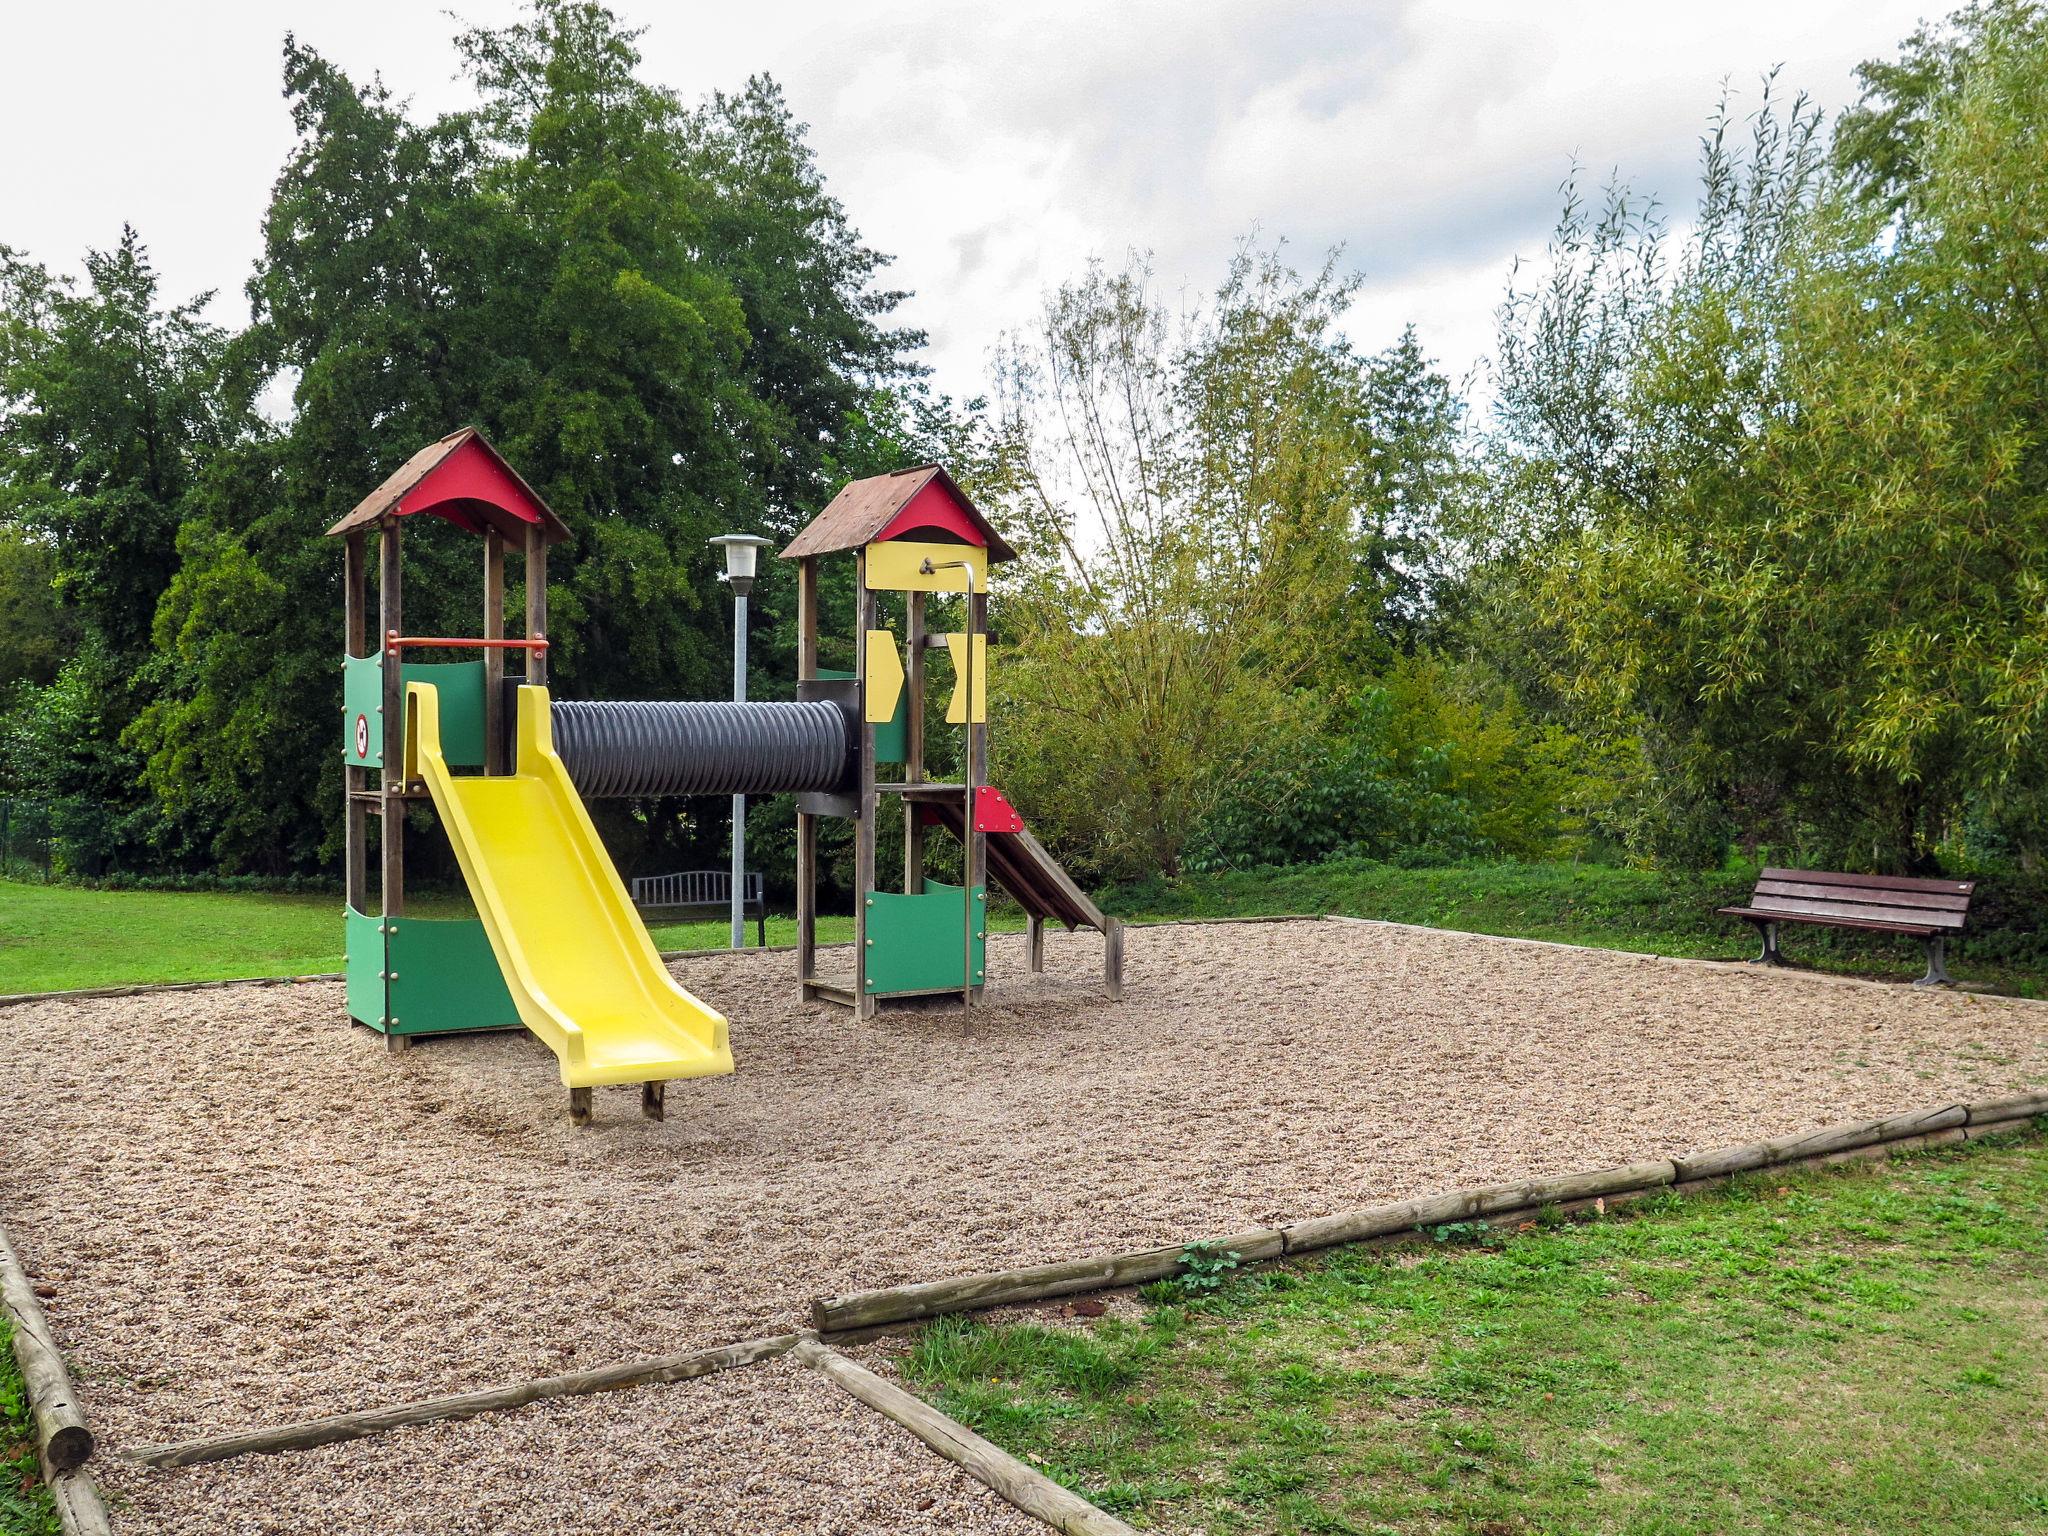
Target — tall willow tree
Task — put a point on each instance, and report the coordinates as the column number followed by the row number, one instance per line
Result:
column 1200, row 508
column 1800, row 534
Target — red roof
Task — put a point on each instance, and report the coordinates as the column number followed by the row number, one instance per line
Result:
column 464, row 479
column 893, row 507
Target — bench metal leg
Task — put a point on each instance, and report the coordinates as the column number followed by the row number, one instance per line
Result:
column 1770, row 954
column 1937, row 971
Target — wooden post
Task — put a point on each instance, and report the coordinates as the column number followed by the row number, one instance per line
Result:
column 1034, row 942
column 494, row 661
column 864, row 829
column 975, row 848
column 1024, row 1487
column 354, row 780
column 391, row 820
column 807, row 825
column 536, row 601
column 1113, row 958
column 391, row 621
column 913, row 772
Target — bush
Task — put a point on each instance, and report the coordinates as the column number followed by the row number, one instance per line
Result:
column 1433, row 763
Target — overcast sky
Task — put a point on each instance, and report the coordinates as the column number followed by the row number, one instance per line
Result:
column 990, row 149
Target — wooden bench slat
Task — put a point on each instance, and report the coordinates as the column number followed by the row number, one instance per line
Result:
column 1877, row 912
column 1926, row 901
column 1918, row 930
column 1858, row 912
column 1872, row 882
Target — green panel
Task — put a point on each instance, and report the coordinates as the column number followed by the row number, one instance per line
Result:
column 914, row 941
column 892, row 738
column 365, row 968
column 462, row 708
column 445, row 976
column 362, row 699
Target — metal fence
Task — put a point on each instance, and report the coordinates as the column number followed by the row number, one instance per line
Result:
column 25, row 840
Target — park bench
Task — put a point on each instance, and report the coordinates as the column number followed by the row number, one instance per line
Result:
column 702, row 888
column 1929, row 910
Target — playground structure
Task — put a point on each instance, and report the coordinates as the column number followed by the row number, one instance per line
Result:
column 915, row 534
column 557, row 946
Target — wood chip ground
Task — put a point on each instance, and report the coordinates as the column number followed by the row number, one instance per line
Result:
column 248, row 1212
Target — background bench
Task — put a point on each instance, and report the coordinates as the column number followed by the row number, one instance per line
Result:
column 703, row 888
column 1929, row 910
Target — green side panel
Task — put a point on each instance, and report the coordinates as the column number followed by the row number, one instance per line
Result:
column 444, row 976
column 362, row 712
column 892, row 739
column 914, row 941
column 365, row 969
column 462, row 708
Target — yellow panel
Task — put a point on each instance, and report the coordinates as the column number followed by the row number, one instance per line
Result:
column 893, row 567
column 883, row 684
column 577, row 959
column 956, row 707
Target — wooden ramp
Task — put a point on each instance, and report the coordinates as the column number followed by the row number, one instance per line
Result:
column 1033, row 878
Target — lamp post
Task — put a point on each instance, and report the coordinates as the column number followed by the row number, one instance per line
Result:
column 742, row 552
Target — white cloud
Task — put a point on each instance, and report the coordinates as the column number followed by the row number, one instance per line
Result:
column 992, row 150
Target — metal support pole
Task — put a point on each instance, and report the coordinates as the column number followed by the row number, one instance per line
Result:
column 739, row 802
column 969, row 770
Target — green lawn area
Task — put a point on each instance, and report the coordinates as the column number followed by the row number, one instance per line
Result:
column 1858, row 1349
column 55, row 936
column 58, row 936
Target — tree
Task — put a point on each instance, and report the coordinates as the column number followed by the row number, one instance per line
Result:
column 660, row 316
column 112, row 410
column 1809, row 573
column 1190, row 498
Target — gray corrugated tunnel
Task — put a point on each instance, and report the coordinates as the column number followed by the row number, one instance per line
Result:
column 621, row 750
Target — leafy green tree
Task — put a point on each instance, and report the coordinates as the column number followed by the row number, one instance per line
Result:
column 1806, row 567
column 113, row 409
column 36, row 631
column 1415, row 479
column 659, row 315
column 1199, row 508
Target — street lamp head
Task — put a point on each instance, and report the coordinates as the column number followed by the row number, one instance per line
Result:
column 742, row 551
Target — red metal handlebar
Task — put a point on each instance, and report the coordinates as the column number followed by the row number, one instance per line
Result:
column 393, row 641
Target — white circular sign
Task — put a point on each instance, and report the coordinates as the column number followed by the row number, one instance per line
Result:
column 362, row 735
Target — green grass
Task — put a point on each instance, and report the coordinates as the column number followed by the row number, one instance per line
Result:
column 1850, row 1350
column 25, row 1507
column 55, row 936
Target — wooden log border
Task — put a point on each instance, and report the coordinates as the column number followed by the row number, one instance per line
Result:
column 465, row 1405
column 81, row 1507
column 63, row 1442
column 993, row 1467
column 1498, row 1203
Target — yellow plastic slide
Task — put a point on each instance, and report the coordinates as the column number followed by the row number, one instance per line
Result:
column 580, row 966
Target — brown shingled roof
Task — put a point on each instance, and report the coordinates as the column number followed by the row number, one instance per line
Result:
column 470, row 512
column 863, row 508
